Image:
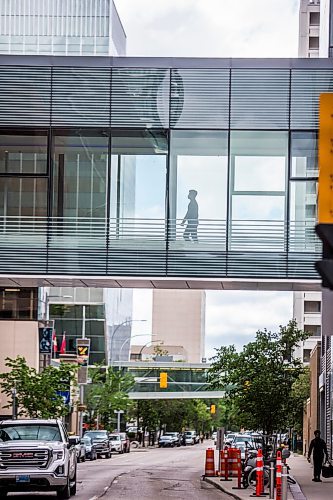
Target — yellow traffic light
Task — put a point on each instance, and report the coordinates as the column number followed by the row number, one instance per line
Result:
column 213, row 409
column 163, row 380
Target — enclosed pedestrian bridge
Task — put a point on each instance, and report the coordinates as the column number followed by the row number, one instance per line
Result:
column 98, row 155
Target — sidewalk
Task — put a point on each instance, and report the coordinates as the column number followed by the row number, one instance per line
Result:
column 228, row 487
column 302, row 471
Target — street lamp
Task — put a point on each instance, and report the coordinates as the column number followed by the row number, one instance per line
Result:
column 132, row 337
column 128, row 321
column 146, row 345
column 119, row 413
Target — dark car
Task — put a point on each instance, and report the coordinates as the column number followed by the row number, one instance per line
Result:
column 91, row 452
column 101, row 441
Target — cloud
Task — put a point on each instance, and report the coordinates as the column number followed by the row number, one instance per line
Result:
column 210, row 28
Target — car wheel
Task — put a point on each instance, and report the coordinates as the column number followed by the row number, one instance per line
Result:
column 73, row 486
column 128, row 449
column 64, row 493
column 83, row 458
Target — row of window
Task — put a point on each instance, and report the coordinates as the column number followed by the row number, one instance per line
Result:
column 126, row 176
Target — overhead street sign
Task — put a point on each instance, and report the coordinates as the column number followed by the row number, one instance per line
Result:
column 325, row 157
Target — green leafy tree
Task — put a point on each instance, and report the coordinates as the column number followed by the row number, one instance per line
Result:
column 37, row 393
column 108, row 392
column 259, row 379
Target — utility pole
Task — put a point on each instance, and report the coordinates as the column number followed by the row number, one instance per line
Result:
column 119, row 413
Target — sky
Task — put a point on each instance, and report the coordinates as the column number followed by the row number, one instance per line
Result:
column 215, row 28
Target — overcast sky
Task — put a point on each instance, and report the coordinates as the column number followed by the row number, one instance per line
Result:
column 216, row 28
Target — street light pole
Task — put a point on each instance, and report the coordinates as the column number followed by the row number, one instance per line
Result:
column 129, row 339
column 83, row 336
column 146, row 345
column 119, row 413
column 128, row 321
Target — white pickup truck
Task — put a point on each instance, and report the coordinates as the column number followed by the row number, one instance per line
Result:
column 37, row 455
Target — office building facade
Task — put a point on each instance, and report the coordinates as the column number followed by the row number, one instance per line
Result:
column 61, row 27
column 309, row 28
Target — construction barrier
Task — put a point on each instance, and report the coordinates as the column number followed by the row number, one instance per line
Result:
column 210, row 465
column 224, row 464
column 239, row 471
column 260, row 474
column 233, row 454
column 278, row 475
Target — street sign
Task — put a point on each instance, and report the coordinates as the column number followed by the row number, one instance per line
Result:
column 82, row 351
column 65, row 396
column 325, row 157
column 45, row 340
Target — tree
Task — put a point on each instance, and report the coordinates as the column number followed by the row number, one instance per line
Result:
column 108, row 392
column 37, row 394
column 300, row 392
column 259, row 379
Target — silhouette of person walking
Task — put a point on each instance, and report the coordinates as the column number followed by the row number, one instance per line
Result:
column 318, row 447
column 191, row 217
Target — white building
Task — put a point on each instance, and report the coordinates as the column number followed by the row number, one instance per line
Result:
column 61, row 27
column 309, row 28
column 307, row 312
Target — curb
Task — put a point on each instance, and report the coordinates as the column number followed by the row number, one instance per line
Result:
column 220, row 487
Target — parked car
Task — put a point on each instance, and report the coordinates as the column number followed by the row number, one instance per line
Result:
column 228, row 438
column 116, row 443
column 91, row 453
column 37, row 455
column 80, row 449
column 167, row 440
column 191, row 437
column 126, row 442
column 101, row 441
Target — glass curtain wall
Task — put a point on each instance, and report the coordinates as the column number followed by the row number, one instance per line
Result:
column 258, row 180
column 138, row 184
column 303, row 192
column 23, row 174
column 198, row 188
column 80, row 166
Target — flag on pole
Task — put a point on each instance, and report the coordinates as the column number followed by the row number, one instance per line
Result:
column 63, row 344
column 54, row 343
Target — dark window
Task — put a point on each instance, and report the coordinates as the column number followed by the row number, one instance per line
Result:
column 95, row 312
column 18, row 304
column 312, row 306
column 314, row 42
column 314, row 18
column 23, row 154
column 306, row 355
column 314, row 330
column 22, row 196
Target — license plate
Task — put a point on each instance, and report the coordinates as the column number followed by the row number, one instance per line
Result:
column 23, row 479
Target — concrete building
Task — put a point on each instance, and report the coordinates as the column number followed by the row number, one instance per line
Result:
column 87, row 27
column 309, row 28
column 307, row 312
column 311, row 419
column 178, row 319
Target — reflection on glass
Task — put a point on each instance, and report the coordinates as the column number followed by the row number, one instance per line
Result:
column 198, row 163
column 304, row 154
column 23, row 197
column 259, row 163
column 303, row 216
column 138, row 183
column 80, row 174
column 23, row 154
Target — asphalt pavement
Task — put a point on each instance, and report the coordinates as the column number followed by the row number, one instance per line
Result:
column 149, row 475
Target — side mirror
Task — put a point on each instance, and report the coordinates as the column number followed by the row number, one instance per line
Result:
column 72, row 442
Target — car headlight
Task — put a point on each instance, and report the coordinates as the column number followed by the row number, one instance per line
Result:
column 59, row 455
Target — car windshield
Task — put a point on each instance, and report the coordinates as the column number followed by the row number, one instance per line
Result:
column 114, row 437
column 189, row 433
column 172, row 434
column 86, row 440
column 30, row 432
column 97, row 435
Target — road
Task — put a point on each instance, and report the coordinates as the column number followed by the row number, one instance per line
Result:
column 148, row 475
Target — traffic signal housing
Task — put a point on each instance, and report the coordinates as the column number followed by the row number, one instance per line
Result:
column 212, row 409
column 325, row 266
column 163, row 380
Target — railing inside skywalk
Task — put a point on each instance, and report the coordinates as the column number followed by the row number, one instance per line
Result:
column 79, row 233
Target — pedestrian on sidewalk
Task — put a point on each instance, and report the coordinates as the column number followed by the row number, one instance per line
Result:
column 319, row 448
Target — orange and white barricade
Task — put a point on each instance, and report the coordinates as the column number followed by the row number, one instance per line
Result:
column 210, row 465
column 278, row 475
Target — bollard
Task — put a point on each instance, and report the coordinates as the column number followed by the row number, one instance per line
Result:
column 284, row 483
column 239, row 471
column 259, row 475
column 271, row 480
column 209, row 466
column 278, row 475
column 224, row 470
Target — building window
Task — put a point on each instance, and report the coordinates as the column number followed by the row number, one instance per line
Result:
column 313, row 42
column 313, row 330
column 18, row 304
column 80, row 174
column 312, row 306
column 198, row 161
column 23, row 153
column 314, row 19
column 306, row 355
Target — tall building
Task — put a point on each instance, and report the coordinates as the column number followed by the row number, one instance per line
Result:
column 61, row 27
column 179, row 320
column 309, row 28
column 307, row 312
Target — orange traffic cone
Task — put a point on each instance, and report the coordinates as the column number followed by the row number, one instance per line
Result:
column 210, row 466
